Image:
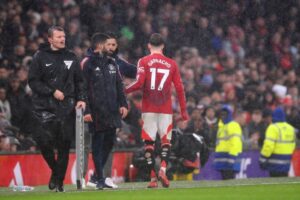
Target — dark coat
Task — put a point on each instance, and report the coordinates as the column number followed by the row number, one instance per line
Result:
column 126, row 69
column 105, row 91
column 51, row 70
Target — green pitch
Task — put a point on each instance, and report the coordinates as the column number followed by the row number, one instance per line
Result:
column 252, row 189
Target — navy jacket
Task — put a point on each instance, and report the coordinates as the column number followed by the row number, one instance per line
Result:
column 128, row 70
column 105, row 91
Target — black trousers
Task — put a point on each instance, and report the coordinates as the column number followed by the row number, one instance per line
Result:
column 227, row 174
column 52, row 135
column 278, row 174
column 87, row 148
column 102, row 144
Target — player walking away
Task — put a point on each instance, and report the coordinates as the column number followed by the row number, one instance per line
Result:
column 155, row 76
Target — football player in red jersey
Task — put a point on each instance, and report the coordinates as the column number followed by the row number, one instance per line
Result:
column 155, row 76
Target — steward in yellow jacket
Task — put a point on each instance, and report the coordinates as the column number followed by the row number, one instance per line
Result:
column 229, row 143
column 279, row 145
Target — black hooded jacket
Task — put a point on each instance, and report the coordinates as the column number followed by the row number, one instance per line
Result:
column 105, row 91
column 51, row 70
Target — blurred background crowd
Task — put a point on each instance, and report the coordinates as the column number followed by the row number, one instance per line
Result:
column 245, row 54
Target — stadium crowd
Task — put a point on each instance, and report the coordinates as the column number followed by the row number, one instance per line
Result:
column 245, row 54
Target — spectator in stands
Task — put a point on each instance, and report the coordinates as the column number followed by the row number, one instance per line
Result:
column 211, row 122
column 255, row 129
column 20, row 105
column 4, row 72
column 14, row 143
column 26, row 143
column 4, row 105
column 4, row 142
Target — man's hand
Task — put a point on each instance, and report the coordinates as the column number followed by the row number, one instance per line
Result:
column 81, row 104
column 59, row 95
column 184, row 115
column 88, row 118
column 123, row 112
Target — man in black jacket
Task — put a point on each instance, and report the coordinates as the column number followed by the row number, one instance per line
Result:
column 58, row 87
column 126, row 69
column 107, row 102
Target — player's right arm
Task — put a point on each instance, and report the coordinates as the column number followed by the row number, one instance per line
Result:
column 140, row 79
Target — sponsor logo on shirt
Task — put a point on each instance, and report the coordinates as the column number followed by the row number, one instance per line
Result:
column 112, row 69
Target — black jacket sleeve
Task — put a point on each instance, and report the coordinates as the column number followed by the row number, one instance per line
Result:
column 86, row 76
column 35, row 76
column 80, row 84
column 126, row 69
column 120, row 90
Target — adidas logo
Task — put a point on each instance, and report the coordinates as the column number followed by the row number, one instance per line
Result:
column 18, row 178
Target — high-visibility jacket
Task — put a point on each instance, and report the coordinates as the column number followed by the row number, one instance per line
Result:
column 278, row 147
column 229, row 146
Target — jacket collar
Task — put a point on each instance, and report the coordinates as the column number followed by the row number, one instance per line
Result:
column 46, row 47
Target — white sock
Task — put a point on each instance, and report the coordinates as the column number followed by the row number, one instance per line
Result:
column 163, row 169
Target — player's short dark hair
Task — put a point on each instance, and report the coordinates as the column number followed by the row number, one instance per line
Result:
column 54, row 28
column 156, row 40
column 98, row 38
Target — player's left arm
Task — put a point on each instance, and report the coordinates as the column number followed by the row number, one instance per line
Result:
column 180, row 92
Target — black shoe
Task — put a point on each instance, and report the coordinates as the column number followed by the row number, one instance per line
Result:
column 52, row 182
column 100, row 185
column 60, row 187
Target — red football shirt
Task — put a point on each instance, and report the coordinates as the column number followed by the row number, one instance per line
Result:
column 155, row 76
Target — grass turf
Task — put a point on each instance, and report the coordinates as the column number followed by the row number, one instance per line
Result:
column 242, row 189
